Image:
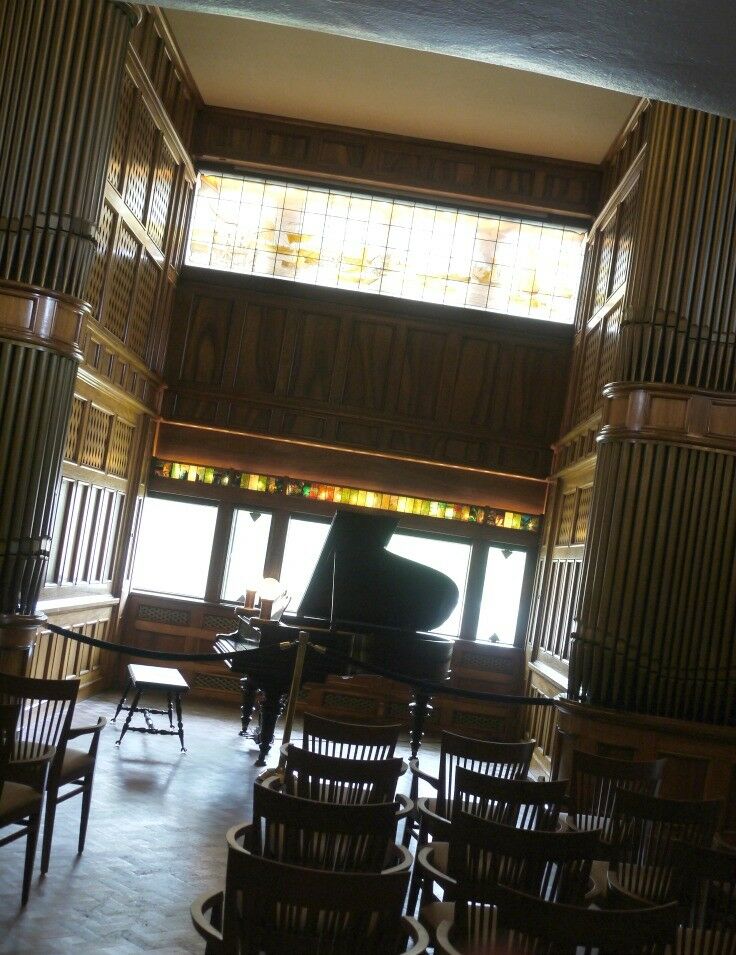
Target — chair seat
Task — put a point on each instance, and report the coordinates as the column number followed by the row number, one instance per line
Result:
column 76, row 763
column 431, row 915
column 17, row 801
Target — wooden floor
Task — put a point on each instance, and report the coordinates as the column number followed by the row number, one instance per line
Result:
column 156, row 839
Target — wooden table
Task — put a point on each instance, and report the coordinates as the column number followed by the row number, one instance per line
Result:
column 159, row 679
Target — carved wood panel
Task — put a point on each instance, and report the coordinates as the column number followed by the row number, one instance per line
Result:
column 424, row 381
column 479, row 175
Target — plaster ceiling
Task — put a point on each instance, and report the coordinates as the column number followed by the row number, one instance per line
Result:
column 675, row 50
column 251, row 65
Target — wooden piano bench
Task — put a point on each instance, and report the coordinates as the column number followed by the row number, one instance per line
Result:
column 159, row 679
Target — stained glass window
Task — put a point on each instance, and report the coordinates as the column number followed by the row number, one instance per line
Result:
column 356, row 497
column 412, row 250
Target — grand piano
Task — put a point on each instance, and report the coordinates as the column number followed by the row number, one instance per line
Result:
column 362, row 601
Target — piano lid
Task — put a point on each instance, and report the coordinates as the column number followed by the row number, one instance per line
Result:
column 357, row 581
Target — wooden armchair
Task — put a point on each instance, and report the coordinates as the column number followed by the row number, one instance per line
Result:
column 644, row 831
column 349, row 740
column 706, row 891
column 322, row 835
column 593, row 784
column 270, row 908
column 47, row 708
column 21, row 801
column 525, row 925
column 483, row 854
column 504, row 760
column 77, row 770
column 519, row 803
column 514, row 802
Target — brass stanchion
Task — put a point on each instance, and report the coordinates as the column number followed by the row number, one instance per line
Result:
column 296, row 679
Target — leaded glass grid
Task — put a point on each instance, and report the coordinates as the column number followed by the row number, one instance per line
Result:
column 343, row 239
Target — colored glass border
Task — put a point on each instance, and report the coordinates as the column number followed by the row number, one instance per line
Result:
column 356, row 497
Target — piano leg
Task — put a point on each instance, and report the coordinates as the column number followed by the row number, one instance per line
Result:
column 272, row 706
column 419, row 708
column 249, row 691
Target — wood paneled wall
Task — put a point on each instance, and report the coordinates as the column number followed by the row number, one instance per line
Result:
column 421, row 167
column 606, row 270
column 137, row 257
column 411, row 380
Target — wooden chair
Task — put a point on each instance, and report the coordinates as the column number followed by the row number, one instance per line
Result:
column 270, row 908
column 322, row 835
column 339, row 780
column 21, row 802
column 504, row 760
column 349, row 740
column 643, row 832
column 520, row 924
column 481, row 854
column 520, row 803
column 593, row 784
column 47, row 708
column 706, row 891
column 514, row 802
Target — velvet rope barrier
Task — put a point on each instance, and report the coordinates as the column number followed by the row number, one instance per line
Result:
column 424, row 686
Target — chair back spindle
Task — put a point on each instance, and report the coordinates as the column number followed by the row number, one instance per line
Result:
column 272, row 908
column 594, row 781
column 550, row 865
column 503, row 760
column 527, row 925
column 45, row 717
column 514, row 802
column 337, row 780
column 644, row 831
column 321, row 835
column 9, row 713
column 706, row 891
column 349, row 740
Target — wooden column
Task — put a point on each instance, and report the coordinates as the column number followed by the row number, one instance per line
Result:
column 62, row 66
column 657, row 616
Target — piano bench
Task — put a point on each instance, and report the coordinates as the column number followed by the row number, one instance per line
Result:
column 159, row 679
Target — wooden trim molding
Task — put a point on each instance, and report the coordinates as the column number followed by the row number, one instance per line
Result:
column 469, row 174
column 675, row 414
column 36, row 316
column 396, row 474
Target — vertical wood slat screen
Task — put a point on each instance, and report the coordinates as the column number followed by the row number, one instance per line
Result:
column 64, row 117
column 605, row 273
column 679, row 328
column 674, row 569
column 135, row 261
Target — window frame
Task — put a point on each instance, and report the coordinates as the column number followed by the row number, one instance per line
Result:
column 396, row 194
column 184, row 499
column 479, row 537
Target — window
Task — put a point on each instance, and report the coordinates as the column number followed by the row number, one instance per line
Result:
column 174, row 547
column 499, row 606
column 448, row 556
column 304, row 540
column 370, row 243
column 246, row 554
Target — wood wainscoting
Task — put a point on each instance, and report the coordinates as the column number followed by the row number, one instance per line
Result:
column 178, row 625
